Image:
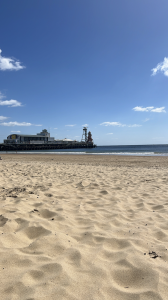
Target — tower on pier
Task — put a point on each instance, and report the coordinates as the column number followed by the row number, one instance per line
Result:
column 84, row 135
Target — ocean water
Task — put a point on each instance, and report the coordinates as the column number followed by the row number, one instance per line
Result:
column 138, row 150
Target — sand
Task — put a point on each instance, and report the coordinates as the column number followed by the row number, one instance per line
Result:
column 83, row 227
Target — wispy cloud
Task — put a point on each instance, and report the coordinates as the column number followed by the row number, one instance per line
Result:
column 55, row 128
column 2, row 118
column 160, row 139
column 119, row 124
column 10, row 103
column 146, row 120
column 109, row 133
column 162, row 67
column 134, row 125
column 113, row 124
column 71, row 125
column 1, row 96
column 10, row 64
column 17, row 124
column 85, row 125
column 18, row 131
column 150, row 109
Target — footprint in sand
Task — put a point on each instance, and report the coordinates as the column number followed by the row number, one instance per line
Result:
column 3, row 221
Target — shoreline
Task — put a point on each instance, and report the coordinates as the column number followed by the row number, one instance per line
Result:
column 115, row 160
column 134, row 154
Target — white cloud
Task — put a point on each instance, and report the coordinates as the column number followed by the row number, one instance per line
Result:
column 7, row 63
column 17, row 124
column 109, row 133
column 85, row 125
column 113, row 124
column 11, row 103
column 71, row 125
column 150, row 109
column 162, row 67
column 16, row 131
column 139, row 108
column 55, row 128
column 2, row 118
column 159, row 109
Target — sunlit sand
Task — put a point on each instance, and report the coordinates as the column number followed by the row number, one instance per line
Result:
column 83, row 227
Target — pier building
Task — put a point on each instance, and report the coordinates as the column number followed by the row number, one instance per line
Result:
column 39, row 138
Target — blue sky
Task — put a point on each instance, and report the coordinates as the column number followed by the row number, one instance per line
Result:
column 70, row 62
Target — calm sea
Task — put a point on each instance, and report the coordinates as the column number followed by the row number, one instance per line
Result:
column 141, row 150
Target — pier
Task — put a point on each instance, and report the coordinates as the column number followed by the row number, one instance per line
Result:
column 43, row 141
column 28, row 147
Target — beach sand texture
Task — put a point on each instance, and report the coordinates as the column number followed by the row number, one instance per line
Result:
column 83, row 228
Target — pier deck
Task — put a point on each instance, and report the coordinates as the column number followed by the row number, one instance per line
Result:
column 23, row 147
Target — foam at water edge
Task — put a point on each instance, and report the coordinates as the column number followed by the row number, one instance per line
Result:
column 89, row 153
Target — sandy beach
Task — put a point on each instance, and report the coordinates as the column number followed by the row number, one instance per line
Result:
column 83, row 227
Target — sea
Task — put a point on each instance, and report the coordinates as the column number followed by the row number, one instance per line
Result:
column 135, row 150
